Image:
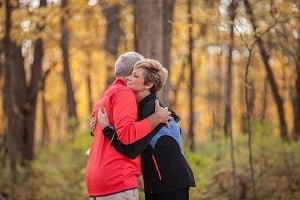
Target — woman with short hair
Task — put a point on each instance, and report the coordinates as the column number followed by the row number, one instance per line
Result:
column 166, row 172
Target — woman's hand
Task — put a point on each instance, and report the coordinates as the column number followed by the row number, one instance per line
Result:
column 93, row 124
column 102, row 119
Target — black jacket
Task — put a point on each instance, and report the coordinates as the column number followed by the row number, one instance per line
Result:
column 164, row 168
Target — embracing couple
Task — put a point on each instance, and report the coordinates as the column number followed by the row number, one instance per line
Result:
column 134, row 133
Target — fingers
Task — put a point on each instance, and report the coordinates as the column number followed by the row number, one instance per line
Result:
column 103, row 117
column 100, row 113
column 93, row 124
column 167, row 125
column 156, row 104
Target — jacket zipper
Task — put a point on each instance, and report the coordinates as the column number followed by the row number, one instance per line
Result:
column 156, row 167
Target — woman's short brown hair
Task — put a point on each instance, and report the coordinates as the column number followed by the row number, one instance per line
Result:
column 154, row 73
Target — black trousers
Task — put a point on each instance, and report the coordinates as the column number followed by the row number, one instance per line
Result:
column 182, row 194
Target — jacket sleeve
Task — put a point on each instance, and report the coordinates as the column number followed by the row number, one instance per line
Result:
column 131, row 150
column 124, row 117
column 136, row 148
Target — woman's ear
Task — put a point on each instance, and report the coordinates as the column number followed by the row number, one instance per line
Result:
column 149, row 85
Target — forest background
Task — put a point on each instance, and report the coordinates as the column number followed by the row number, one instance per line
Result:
column 234, row 79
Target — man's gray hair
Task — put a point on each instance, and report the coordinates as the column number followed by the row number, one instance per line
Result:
column 126, row 62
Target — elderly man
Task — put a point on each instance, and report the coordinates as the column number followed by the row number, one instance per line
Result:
column 111, row 175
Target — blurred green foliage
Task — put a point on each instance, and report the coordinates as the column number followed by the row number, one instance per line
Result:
column 59, row 172
column 276, row 167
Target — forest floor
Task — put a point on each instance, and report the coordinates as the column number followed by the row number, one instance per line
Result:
column 59, row 172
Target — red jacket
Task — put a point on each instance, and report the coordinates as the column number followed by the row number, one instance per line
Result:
column 108, row 171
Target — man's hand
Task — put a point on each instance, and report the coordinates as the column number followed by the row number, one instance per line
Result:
column 103, row 118
column 161, row 115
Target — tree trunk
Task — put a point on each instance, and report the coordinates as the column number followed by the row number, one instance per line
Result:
column 2, row 55
column 89, row 85
column 31, row 101
column 297, row 104
column 249, row 107
column 219, row 95
column 113, row 29
column 296, row 100
column 31, row 98
column 149, row 39
column 191, row 133
column 1, row 60
column 270, row 75
column 264, row 104
column 176, row 87
column 14, row 94
column 112, row 38
column 228, row 93
column 168, row 10
column 45, row 125
column 71, row 103
column 228, row 97
column 153, row 32
column 149, row 31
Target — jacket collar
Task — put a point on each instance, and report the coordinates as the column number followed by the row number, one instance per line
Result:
column 119, row 81
column 146, row 99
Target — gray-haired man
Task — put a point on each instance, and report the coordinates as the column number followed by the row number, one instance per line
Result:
column 110, row 175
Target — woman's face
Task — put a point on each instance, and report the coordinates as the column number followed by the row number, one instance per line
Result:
column 136, row 80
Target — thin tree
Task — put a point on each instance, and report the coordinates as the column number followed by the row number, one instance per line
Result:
column 218, row 90
column 45, row 125
column 88, row 50
column 296, row 101
column 191, row 133
column 297, row 96
column 228, row 99
column 168, row 12
column 265, row 58
column 249, row 113
column 264, row 99
column 2, row 146
column 71, row 103
column 176, row 86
